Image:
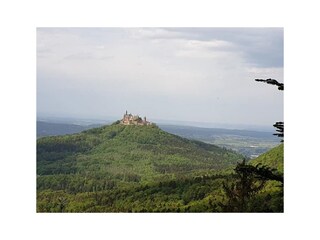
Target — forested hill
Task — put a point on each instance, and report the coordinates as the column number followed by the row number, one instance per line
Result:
column 121, row 168
column 273, row 159
column 129, row 153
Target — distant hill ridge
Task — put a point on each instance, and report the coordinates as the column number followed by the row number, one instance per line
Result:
column 45, row 128
column 53, row 129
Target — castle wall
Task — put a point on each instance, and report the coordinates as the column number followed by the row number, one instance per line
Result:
column 129, row 119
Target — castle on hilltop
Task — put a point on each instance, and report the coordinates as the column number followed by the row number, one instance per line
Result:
column 129, row 119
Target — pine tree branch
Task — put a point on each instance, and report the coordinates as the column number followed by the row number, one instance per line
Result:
column 272, row 82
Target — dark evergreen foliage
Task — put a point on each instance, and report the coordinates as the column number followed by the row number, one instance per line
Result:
column 278, row 125
column 272, row 82
column 245, row 185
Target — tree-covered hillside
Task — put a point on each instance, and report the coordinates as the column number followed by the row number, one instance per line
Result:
column 138, row 152
column 121, row 168
column 273, row 159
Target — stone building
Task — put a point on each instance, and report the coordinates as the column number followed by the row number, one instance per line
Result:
column 129, row 119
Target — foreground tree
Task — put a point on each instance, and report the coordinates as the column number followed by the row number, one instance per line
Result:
column 249, row 180
column 272, row 82
column 278, row 125
column 245, row 184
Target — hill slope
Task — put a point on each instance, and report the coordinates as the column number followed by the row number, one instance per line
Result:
column 273, row 158
column 139, row 169
column 246, row 142
column 126, row 154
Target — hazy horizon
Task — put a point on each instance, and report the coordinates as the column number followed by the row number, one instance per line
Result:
column 203, row 75
column 110, row 119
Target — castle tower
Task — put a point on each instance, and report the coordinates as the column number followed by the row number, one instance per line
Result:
column 129, row 119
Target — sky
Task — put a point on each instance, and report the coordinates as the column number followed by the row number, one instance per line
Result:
column 179, row 74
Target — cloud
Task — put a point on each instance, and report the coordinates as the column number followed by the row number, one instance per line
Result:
column 158, row 33
column 261, row 47
column 167, row 73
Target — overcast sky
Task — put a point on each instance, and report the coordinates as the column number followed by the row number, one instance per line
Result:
column 182, row 74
